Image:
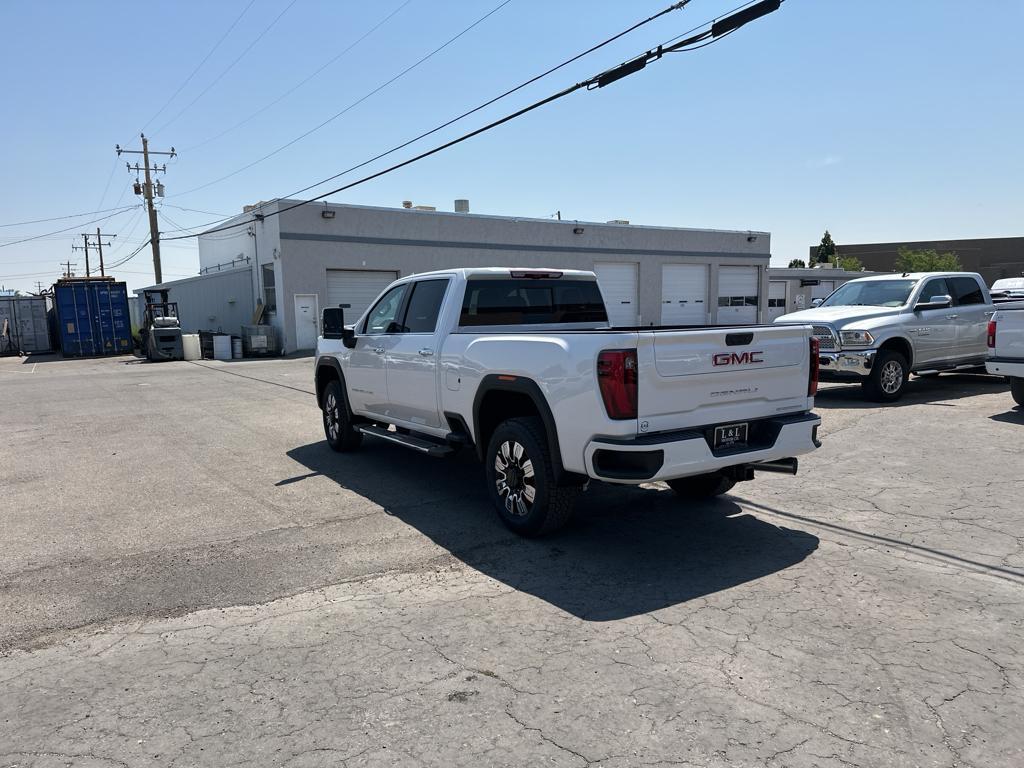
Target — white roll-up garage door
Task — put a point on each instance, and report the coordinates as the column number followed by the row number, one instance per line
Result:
column 357, row 288
column 684, row 293
column 776, row 300
column 618, row 287
column 737, row 295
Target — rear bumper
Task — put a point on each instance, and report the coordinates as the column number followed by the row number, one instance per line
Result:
column 1005, row 366
column 846, row 366
column 669, row 455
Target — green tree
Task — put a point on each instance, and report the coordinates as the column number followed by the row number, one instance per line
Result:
column 797, row 264
column 928, row 260
column 826, row 250
column 849, row 263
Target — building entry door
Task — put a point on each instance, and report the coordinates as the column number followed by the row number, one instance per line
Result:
column 306, row 311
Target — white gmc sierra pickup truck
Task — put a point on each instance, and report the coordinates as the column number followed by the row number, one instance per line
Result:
column 1006, row 347
column 522, row 365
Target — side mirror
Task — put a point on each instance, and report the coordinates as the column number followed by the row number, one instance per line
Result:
column 816, row 302
column 935, row 302
column 333, row 324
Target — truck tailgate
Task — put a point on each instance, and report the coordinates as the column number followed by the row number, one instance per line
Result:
column 704, row 376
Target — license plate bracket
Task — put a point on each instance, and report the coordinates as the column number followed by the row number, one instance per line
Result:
column 730, row 436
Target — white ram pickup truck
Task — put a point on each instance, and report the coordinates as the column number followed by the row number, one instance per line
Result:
column 522, row 365
column 1006, row 347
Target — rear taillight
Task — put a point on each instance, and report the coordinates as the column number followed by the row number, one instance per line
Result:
column 812, row 375
column 616, row 376
column 991, row 334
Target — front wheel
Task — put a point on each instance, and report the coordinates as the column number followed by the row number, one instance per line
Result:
column 888, row 377
column 1017, row 390
column 338, row 429
column 702, row 486
column 521, row 479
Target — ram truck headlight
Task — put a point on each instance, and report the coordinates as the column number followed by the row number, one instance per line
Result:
column 856, row 338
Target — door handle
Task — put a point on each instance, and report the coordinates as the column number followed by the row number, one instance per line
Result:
column 378, row 350
column 952, row 317
column 426, row 352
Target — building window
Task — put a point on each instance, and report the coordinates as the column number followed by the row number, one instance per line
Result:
column 269, row 291
column 737, row 301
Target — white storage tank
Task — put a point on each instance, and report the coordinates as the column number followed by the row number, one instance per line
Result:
column 222, row 347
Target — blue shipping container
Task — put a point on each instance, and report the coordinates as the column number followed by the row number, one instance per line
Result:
column 93, row 317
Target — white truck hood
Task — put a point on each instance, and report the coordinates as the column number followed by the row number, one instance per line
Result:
column 838, row 316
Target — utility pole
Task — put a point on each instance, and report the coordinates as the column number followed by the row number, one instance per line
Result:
column 147, row 191
column 99, row 247
column 39, row 288
column 85, row 247
column 96, row 246
column 67, row 271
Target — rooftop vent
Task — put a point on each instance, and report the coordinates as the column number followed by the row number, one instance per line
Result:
column 462, row 205
column 407, row 203
column 424, row 208
column 618, row 221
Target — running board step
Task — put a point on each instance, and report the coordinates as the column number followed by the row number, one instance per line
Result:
column 406, row 441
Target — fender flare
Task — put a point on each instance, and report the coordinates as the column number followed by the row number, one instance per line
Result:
column 330, row 362
column 493, row 383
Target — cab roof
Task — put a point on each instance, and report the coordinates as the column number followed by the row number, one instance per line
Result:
column 496, row 272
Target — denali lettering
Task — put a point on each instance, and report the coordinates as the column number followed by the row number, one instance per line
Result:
column 738, row 358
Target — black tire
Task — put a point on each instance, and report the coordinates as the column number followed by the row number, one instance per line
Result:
column 521, row 445
column 338, row 429
column 702, row 486
column 888, row 377
column 1017, row 390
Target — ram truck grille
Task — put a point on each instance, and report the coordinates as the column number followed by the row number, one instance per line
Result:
column 826, row 338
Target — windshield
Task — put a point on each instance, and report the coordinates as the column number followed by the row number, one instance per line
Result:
column 871, row 293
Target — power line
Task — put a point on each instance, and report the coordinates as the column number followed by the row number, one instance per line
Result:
column 67, row 229
column 302, row 82
column 199, row 65
column 351, row 106
column 69, row 216
column 228, row 69
column 725, row 25
column 489, row 102
column 192, row 210
column 509, row 92
column 130, row 256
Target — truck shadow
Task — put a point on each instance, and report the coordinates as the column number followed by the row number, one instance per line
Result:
column 936, row 390
column 629, row 551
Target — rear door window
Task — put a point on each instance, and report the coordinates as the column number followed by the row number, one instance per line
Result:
column 532, row 301
column 424, row 306
column 965, row 290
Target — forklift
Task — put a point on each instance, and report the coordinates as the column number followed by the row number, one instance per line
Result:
column 161, row 330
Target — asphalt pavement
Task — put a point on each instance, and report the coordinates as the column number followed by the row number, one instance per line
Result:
column 190, row 577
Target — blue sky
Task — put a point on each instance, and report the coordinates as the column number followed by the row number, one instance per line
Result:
column 878, row 120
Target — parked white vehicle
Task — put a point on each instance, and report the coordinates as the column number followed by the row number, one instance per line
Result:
column 523, row 366
column 1006, row 347
column 878, row 330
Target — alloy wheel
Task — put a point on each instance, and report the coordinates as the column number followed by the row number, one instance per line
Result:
column 514, row 478
column 333, row 417
column 892, row 377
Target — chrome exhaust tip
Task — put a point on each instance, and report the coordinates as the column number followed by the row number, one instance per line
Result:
column 782, row 466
